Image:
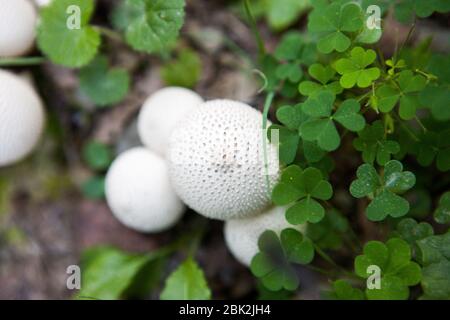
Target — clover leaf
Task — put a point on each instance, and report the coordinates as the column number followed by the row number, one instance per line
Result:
column 442, row 212
column 411, row 231
column 63, row 44
column 405, row 9
column 322, row 74
column 343, row 290
column 436, row 99
column 321, row 128
column 155, row 24
column 327, row 233
column 334, row 24
column 383, row 189
column 104, row 87
column 185, row 71
column 433, row 145
column 406, row 91
column 435, row 258
column 302, row 187
column 373, row 144
column 354, row 69
column 398, row 272
column 288, row 141
column 271, row 265
column 297, row 248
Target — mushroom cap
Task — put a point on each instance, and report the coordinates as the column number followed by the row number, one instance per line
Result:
column 17, row 27
column 161, row 113
column 216, row 161
column 241, row 235
column 21, row 118
column 139, row 193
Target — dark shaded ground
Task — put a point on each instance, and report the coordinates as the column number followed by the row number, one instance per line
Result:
column 44, row 221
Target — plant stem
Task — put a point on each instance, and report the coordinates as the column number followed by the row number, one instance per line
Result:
column 18, row 62
column 420, row 123
column 267, row 104
column 113, row 35
column 257, row 35
column 406, row 128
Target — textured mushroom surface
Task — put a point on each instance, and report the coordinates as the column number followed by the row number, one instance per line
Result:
column 21, row 118
column 216, row 161
column 241, row 235
column 139, row 193
column 17, row 27
column 160, row 114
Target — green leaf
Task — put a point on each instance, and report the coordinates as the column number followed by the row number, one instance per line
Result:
column 436, row 99
column 328, row 233
column 348, row 115
column 411, row 231
column 288, row 143
column 291, row 116
column 70, row 47
column 383, row 189
column 342, row 290
column 442, row 212
column 102, row 86
column 398, row 272
column 333, row 24
column 298, row 249
column 405, row 9
column 354, row 70
column 289, row 71
column 290, row 47
column 108, row 272
column 156, row 26
column 282, row 13
column 97, row 155
column 306, row 210
column 94, row 188
column 373, row 144
column 185, row 71
column 187, row 282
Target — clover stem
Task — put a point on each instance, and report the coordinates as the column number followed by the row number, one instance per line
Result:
column 420, row 123
column 406, row 128
column 18, row 62
column 254, row 28
column 325, row 256
column 113, row 35
column 267, row 103
column 410, row 32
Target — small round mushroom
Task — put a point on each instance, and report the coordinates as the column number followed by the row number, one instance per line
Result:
column 241, row 235
column 17, row 27
column 139, row 193
column 160, row 114
column 22, row 118
column 216, row 161
column 42, row 3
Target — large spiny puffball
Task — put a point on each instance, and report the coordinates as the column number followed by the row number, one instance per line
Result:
column 22, row 118
column 161, row 113
column 217, row 164
column 139, row 193
column 17, row 27
column 241, row 235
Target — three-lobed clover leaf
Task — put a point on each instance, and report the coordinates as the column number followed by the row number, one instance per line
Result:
column 66, row 44
column 343, row 290
column 405, row 91
column 334, row 24
column 411, row 231
column 321, row 128
column 323, row 74
column 185, row 71
column 383, row 190
column 442, row 212
column 435, row 258
column 436, row 98
column 354, row 69
column 398, row 272
column 302, row 187
column 431, row 146
column 101, row 85
column 154, row 24
column 405, row 9
column 373, row 144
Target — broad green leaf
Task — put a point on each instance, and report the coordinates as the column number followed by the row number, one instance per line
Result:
column 442, row 212
column 411, row 231
column 354, row 70
column 298, row 249
column 187, row 282
column 185, row 71
column 348, row 115
column 94, row 188
column 59, row 37
column 288, row 143
column 342, row 290
column 97, row 155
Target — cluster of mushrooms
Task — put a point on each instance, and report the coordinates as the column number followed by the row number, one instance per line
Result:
column 206, row 155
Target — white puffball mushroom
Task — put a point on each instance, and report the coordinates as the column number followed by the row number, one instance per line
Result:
column 42, row 3
column 17, row 27
column 161, row 113
column 22, row 118
column 139, row 193
column 216, row 160
column 241, row 235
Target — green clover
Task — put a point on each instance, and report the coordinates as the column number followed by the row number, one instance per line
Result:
column 354, row 69
column 322, row 74
column 405, row 9
column 411, row 231
column 383, row 189
column 436, row 98
column 405, row 90
column 321, row 128
column 70, row 47
column 431, row 146
column 302, row 187
column 334, row 24
column 184, row 71
column 398, row 272
column 373, row 144
column 342, row 290
column 435, row 258
column 102, row 86
column 442, row 212
column 327, row 233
